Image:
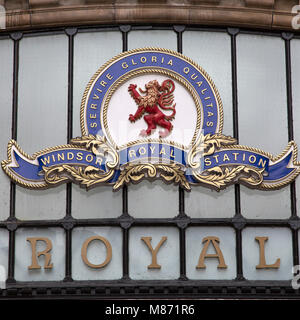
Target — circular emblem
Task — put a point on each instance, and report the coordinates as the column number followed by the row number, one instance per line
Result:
column 153, row 94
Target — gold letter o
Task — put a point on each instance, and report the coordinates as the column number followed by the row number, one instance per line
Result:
column 84, row 252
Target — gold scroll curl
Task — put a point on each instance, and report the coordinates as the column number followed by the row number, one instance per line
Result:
column 86, row 176
column 170, row 172
column 219, row 177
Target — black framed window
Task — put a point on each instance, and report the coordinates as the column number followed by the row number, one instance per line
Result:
column 239, row 62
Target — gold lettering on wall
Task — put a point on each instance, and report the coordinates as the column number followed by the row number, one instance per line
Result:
column 147, row 240
column 215, row 242
column 262, row 258
column 108, row 252
column 36, row 255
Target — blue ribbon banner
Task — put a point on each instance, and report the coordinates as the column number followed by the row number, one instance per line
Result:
column 233, row 157
column 32, row 170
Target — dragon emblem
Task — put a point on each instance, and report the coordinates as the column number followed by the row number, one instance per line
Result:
column 156, row 97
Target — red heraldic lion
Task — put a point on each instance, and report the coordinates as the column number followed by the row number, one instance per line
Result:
column 157, row 96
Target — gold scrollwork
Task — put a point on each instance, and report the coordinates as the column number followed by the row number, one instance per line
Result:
column 94, row 143
column 136, row 172
column 90, row 175
column 207, row 145
column 219, row 177
column 87, row 177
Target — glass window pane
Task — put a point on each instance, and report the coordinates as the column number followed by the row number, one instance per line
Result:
column 259, row 204
column 195, row 245
column 4, row 240
column 42, row 115
column 91, row 51
column 262, row 92
column 152, row 38
column 100, row 202
column 41, row 204
column 153, row 200
column 97, row 254
column 212, row 51
column 6, row 84
column 140, row 256
column 202, row 202
column 43, row 90
column 295, row 53
column 23, row 254
column 262, row 114
column 278, row 245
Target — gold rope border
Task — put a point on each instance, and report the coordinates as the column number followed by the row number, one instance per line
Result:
column 150, row 49
column 273, row 186
column 138, row 72
column 42, row 185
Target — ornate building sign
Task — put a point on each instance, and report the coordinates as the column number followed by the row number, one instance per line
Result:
column 151, row 113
